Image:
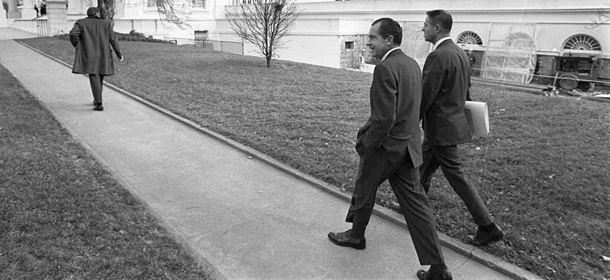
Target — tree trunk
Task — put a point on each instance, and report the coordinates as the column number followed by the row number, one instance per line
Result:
column 268, row 61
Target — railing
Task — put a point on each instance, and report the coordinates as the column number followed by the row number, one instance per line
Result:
column 42, row 27
column 240, row 2
column 213, row 45
column 32, row 26
column 223, row 46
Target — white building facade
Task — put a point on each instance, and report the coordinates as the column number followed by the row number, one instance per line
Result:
column 333, row 33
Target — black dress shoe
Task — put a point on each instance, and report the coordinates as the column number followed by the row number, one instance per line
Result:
column 345, row 239
column 485, row 237
column 435, row 274
column 98, row 107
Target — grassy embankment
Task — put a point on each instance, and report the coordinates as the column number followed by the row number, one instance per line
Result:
column 62, row 215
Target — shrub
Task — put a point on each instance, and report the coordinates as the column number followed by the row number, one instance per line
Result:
column 131, row 36
column 137, row 36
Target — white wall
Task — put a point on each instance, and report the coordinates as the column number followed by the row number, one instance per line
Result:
column 316, row 36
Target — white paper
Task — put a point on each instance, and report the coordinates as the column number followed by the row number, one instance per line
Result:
column 478, row 117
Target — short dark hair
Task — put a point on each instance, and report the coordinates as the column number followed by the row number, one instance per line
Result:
column 387, row 27
column 442, row 18
column 92, row 12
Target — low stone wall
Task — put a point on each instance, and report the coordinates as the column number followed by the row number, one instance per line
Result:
column 28, row 25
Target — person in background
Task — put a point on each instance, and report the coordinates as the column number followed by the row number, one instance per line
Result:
column 92, row 37
column 595, row 72
column 472, row 58
column 389, row 148
column 445, row 89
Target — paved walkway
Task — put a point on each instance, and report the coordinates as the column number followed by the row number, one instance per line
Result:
column 244, row 215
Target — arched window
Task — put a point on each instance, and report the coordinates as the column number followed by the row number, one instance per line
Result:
column 582, row 42
column 520, row 40
column 469, row 38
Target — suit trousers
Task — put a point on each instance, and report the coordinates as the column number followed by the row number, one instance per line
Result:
column 374, row 169
column 448, row 159
column 97, row 82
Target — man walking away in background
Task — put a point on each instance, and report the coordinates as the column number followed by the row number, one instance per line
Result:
column 390, row 149
column 92, row 37
column 446, row 84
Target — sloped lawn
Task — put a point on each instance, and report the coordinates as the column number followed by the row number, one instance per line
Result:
column 62, row 215
column 544, row 171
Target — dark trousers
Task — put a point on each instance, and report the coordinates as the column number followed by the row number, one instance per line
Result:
column 448, row 159
column 374, row 169
column 97, row 82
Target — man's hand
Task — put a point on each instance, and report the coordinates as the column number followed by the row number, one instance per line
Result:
column 121, row 58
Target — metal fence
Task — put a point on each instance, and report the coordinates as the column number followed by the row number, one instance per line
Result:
column 223, row 46
column 42, row 27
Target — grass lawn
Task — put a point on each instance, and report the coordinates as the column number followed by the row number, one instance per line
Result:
column 544, row 171
column 62, row 215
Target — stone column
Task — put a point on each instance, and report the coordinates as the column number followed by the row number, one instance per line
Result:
column 58, row 20
column 27, row 10
column 3, row 22
column 13, row 12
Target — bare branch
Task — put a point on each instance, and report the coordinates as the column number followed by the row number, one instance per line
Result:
column 106, row 8
column 169, row 12
column 263, row 23
column 167, row 9
column 602, row 16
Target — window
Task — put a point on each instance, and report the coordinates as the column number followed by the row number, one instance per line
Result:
column 582, row 42
column 349, row 45
column 198, row 4
column 201, row 35
column 151, row 3
column 520, row 40
column 469, row 38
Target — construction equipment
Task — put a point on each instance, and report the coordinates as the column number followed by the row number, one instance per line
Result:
column 570, row 70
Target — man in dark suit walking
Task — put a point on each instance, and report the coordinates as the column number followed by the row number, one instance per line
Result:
column 92, row 37
column 389, row 149
column 445, row 86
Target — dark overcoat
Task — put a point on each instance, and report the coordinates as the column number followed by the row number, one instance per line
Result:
column 445, row 86
column 93, row 38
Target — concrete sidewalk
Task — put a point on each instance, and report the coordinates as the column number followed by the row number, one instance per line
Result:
column 245, row 215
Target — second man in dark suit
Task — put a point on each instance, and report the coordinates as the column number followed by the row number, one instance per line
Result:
column 446, row 84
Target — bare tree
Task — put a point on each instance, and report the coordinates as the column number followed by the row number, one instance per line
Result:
column 263, row 22
column 107, row 8
column 168, row 10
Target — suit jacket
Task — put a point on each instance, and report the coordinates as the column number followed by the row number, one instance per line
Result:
column 395, row 97
column 445, row 87
column 93, row 38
